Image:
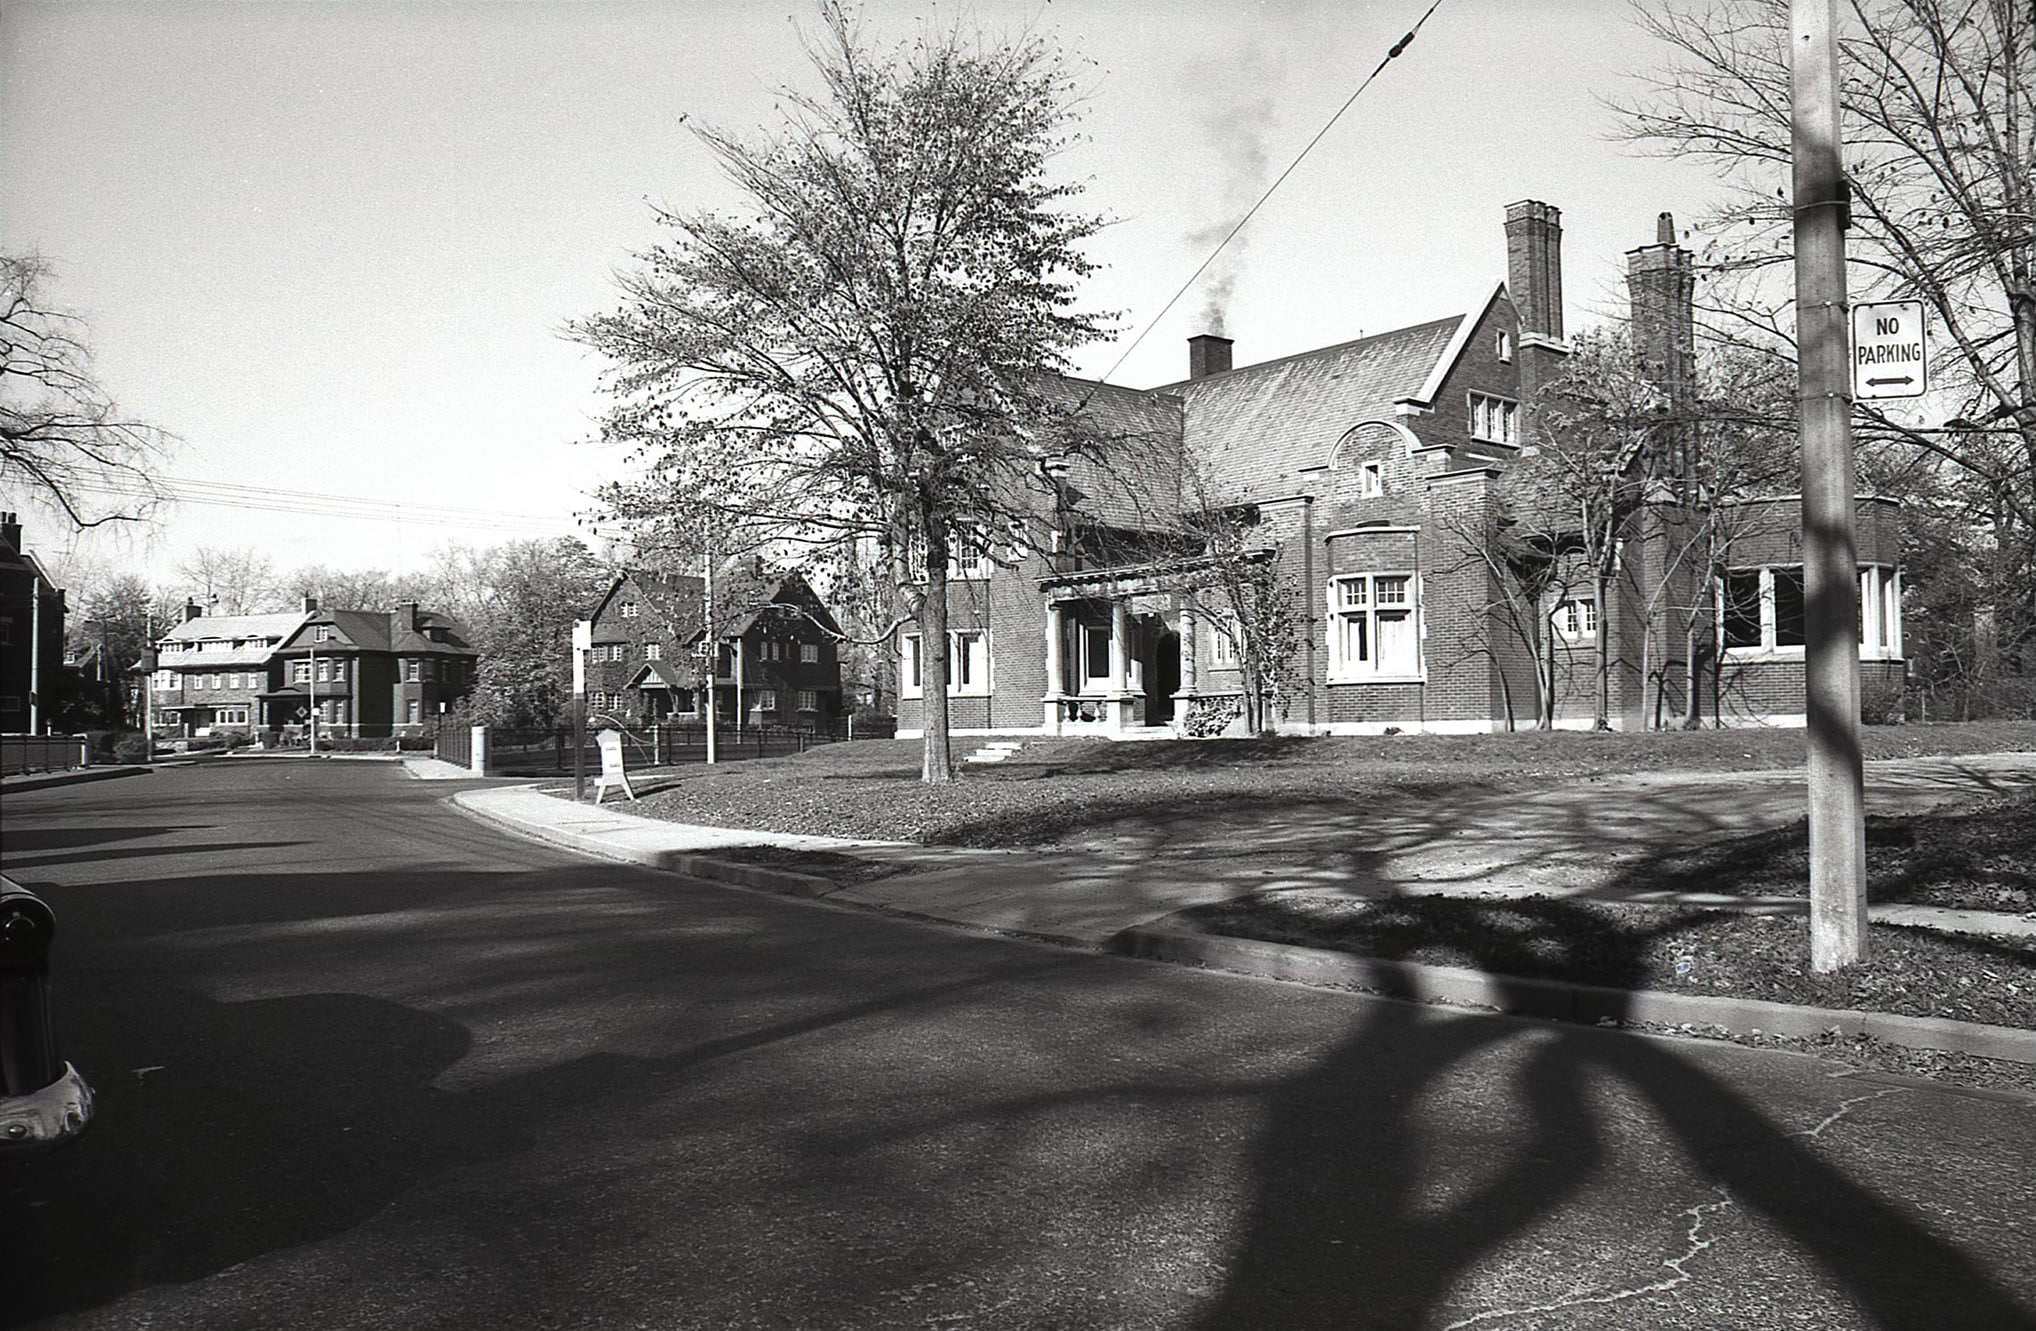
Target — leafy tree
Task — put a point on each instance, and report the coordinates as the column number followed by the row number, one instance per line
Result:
column 519, row 601
column 868, row 355
column 62, row 438
column 1938, row 103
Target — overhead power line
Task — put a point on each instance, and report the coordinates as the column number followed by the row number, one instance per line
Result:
column 1251, row 212
column 229, row 494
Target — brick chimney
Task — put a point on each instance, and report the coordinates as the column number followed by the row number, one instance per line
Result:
column 10, row 531
column 310, row 603
column 192, row 610
column 406, row 611
column 1534, row 281
column 1661, row 285
column 1208, row 354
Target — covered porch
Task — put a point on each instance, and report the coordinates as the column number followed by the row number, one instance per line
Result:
column 1120, row 649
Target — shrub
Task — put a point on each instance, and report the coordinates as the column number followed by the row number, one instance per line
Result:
column 130, row 748
column 1206, row 718
column 1880, row 702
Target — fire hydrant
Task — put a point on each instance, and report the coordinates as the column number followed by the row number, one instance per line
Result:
column 43, row 1100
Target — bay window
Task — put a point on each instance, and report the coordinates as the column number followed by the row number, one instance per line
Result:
column 1372, row 627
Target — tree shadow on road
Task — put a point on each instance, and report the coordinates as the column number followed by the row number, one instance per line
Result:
column 1378, row 1247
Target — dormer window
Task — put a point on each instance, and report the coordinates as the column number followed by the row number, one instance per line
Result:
column 323, row 633
column 628, row 610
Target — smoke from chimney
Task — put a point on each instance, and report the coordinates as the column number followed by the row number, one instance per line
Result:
column 1234, row 105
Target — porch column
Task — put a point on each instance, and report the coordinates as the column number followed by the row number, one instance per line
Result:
column 1056, row 632
column 1056, row 667
column 1188, row 628
column 1120, row 644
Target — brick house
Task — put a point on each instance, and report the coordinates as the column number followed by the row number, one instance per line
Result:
column 212, row 670
column 637, row 657
column 32, row 609
column 1364, row 466
column 369, row 672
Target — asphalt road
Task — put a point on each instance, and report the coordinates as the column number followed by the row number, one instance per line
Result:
column 364, row 1063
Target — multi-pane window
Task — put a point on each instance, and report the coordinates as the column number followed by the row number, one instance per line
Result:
column 1226, row 636
column 1372, row 626
column 809, row 700
column 1576, row 618
column 968, row 664
column 767, row 700
column 628, row 610
column 1494, row 418
column 300, row 672
column 410, row 670
column 1880, row 610
column 323, row 633
column 416, row 711
column 809, row 652
column 653, row 651
column 1762, row 608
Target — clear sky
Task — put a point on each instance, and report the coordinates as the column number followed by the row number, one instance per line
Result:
column 330, row 245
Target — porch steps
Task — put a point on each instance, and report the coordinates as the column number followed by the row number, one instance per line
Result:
column 995, row 752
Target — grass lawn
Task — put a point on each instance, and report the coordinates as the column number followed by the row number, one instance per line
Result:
column 1057, row 787
column 1677, row 949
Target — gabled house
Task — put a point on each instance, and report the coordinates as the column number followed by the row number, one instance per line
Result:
column 369, row 672
column 640, row 657
column 214, row 670
column 1364, row 470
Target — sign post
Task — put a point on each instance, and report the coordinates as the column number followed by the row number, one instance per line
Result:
column 1889, row 357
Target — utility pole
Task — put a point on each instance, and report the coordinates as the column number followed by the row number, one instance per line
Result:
column 311, row 691
column 713, row 648
column 148, row 686
column 1837, row 796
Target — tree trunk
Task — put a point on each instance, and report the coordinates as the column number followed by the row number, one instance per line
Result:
column 938, row 762
column 1693, row 707
column 1546, row 668
column 1600, row 584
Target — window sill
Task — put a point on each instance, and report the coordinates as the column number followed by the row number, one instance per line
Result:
column 913, row 695
column 1376, row 679
column 1741, row 654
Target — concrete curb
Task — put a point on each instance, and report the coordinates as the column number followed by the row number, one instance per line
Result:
column 1561, row 1001
column 79, row 777
column 691, row 863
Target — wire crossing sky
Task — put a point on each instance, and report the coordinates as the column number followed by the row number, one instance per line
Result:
column 330, row 246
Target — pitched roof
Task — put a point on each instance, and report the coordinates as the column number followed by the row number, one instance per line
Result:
column 1254, row 427
column 388, row 631
column 1135, row 479
column 235, row 626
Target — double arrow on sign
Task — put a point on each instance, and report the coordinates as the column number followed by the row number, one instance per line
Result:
column 1898, row 379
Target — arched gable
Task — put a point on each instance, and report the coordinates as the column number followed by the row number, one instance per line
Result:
column 1373, row 440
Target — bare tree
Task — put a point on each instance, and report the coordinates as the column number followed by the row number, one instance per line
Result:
column 870, row 353
column 62, row 438
column 232, row 580
column 1938, row 108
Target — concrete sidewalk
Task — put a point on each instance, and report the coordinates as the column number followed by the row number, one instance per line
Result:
column 1572, row 840
column 1564, row 841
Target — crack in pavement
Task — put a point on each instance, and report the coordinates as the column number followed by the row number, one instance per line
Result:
column 1695, row 1243
column 1845, row 1108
